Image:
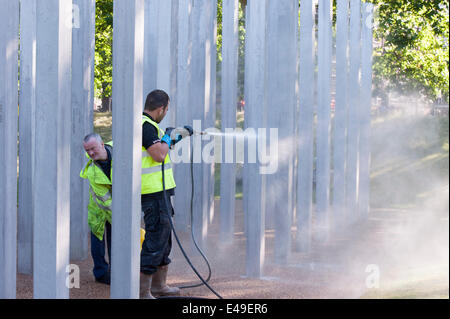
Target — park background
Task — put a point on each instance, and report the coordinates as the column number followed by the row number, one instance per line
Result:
column 407, row 231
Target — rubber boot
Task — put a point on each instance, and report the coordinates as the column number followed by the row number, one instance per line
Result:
column 159, row 286
column 145, row 282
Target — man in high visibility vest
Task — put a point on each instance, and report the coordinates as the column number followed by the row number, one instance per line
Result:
column 158, row 237
column 98, row 172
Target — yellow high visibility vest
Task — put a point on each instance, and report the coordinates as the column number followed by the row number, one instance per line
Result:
column 151, row 169
column 100, row 199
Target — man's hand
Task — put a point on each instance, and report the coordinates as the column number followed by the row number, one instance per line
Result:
column 170, row 137
column 169, row 131
column 166, row 138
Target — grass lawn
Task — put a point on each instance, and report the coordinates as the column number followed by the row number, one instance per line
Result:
column 410, row 178
column 410, row 160
column 102, row 125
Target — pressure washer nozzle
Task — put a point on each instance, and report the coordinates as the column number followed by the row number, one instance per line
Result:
column 200, row 133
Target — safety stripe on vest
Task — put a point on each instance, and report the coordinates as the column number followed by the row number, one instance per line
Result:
column 146, row 119
column 154, row 169
column 105, row 197
column 100, row 198
column 145, row 154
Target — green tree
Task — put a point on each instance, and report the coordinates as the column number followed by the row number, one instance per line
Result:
column 103, row 48
column 104, row 38
column 412, row 53
column 241, row 50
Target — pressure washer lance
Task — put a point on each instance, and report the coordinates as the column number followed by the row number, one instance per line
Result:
column 182, row 132
column 200, row 133
column 175, row 135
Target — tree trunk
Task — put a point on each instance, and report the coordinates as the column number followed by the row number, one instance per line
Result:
column 106, row 104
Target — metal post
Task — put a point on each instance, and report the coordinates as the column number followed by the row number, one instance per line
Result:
column 340, row 115
column 9, row 44
column 27, row 109
column 366, row 101
column 83, row 50
column 323, row 120
column 353, row 105
column 230, row 45
column 181, row 154
column 282, row 61
column 51, row 232
column 305, row 127
column 255, row 116
column 128, row 50
column 198, row 103
column 160, row 51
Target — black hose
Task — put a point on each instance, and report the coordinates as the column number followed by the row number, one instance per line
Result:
column 192, row 226
column 204, row 282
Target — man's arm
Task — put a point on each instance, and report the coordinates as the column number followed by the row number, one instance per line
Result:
column 158, row 151
column 152, row 143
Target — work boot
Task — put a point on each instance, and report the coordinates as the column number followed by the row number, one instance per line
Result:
column 145, row 282
column 159, row 286
column 105, row 279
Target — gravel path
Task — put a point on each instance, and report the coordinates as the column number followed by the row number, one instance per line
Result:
column 342, row 268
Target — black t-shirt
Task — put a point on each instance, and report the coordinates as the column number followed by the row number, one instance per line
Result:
column 150, row 137
column 106, row 165
column 149, row 133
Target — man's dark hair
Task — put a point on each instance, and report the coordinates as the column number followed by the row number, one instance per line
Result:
column 156, row 99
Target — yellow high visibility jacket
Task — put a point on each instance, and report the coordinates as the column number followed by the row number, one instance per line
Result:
column 151, row 169
column 100, row 196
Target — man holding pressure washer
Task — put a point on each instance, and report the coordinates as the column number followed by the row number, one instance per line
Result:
column 158, row 240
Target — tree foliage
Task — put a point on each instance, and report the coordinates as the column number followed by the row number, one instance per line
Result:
column 103, row 48
column 412, row 52
column 241, row 49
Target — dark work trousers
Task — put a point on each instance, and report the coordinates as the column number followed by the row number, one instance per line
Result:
column 158, row 235
column 101, row 267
